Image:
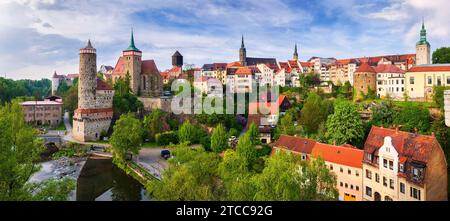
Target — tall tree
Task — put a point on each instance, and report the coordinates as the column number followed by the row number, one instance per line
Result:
column 438, row 95
column 246, row 149
column 253, row 132
column 187, row 133
column 344, row 126
column 152, row 124
column 219, row 141
column 441, row 56
column 127, row 136
column 286, row 125
column 312, row 113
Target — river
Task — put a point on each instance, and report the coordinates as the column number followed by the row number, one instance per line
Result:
column 101, row 180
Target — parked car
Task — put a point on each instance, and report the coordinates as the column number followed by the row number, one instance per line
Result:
column 165, row 154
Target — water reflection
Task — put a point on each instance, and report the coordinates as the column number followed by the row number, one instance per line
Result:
column 101, row 180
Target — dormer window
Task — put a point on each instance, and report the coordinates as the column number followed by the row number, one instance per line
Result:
column 369, row 157
column 402, row 168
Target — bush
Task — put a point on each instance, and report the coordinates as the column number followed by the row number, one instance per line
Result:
column 166, row 138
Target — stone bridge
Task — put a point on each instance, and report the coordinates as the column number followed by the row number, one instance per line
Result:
column 51, row 138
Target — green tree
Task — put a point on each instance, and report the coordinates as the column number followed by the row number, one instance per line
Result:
column 247, row 150
column 192, row 175
column 219, row 141
column 441, row 56
column 312, row 113
column 236, row 177
column 286, row 125
column 442, row 133
column 127, row 136
column 438, row 95
column 344, row 126
column 411, row 117
column 383, row 114
column 152, row 124
column 51, row 190
column 253, row 132
column 124, row 101
column 187, row 133
column 321, row 182
column 19, row 150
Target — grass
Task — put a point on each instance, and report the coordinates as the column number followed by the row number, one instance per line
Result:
column 149, row 145
column 61, row 126
column 415, row 104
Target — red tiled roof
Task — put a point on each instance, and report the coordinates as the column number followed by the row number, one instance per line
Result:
column 103, row 86
column 388, row 68
column 344, row 155
column 412, row 146
column 295, row 144
column 234, row 64
column 149, row 67
column 73, row 75
column 293, row 64
column 244, row 71
column 365, row 67
column 430, row 68
column 306, row 64
column 119, row 68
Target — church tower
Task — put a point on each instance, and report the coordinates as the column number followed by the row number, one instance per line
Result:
column 243, row 53
column 423, row 52
column 295, row 57
column 177, row 59
column 133, row 63
column 88, row 77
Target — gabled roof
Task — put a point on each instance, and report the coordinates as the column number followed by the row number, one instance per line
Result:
column 344, row 155
column 295, row 144
column 244, row 71
column 149, row 67
column 255, row 61
column 234, row 64
column 412, row 146
column 119, row 68
column 365, row 67
column 388, row 68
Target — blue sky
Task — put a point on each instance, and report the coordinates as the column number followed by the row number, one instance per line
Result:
column 39, row 37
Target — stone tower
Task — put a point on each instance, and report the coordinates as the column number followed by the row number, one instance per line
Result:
column 88, row 77
column 423, row 51
column 133, row 64
column 177, row 59
column 295, row 57
column 365, row 79
column 243, row 53
column 94, row 113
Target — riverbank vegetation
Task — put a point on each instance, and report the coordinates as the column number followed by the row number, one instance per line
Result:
column 20, row 149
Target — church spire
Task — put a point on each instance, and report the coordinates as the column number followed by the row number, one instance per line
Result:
column 295, row 52
column 243, row 53
column 242, row 43
column 423, row 35
column 132, row 47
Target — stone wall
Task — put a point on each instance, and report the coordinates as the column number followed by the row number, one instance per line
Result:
column 447, row 107
column 87, row 84
column 162, row 103
column 88, row 127
column 104, row 99
column 363, row 82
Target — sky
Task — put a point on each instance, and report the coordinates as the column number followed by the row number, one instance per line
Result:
column 39, row 37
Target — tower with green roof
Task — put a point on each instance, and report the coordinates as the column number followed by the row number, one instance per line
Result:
column 132, row 59
column 423, row 48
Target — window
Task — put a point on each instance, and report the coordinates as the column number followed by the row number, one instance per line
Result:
column 356, row 173
column 439, row 81
column 414, row 193
column 391, row 165
column 331, row 166
column 346, row 185
column 377, row 178
column 368, row 191
column 342, row 170
column 341, row 184
column 384, row 163
column 411, row 80
column 369, row 156
column 368, row 174
column 391, row 183
column 349, row 171
column 402, row 188
column 430, row 80
column 357, row 188
column 448, row 80
column 402, row 168
column 351, row 186
column 384, row 181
